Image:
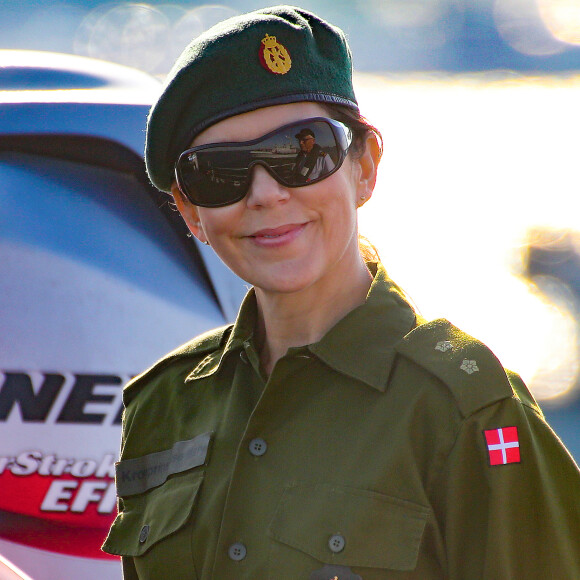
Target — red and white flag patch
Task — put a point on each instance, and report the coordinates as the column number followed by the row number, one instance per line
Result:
column 503, row 445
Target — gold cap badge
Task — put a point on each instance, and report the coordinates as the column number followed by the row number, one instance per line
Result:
column 274, row 56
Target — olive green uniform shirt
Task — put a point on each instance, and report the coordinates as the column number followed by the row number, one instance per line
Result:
column 385, row 451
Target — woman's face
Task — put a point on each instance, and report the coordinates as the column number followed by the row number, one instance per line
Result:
column 276, row 238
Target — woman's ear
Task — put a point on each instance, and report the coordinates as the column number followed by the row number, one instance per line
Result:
column 189, row 213
column 368, row 162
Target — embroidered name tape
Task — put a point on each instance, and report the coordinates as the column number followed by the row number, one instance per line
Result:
column 142, row 473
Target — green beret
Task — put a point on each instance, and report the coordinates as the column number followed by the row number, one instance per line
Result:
column 268, row 57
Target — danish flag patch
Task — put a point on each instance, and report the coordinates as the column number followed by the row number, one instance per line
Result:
column 503, row 445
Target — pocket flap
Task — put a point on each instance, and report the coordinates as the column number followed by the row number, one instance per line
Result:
column 149, row 517
column 379, row 531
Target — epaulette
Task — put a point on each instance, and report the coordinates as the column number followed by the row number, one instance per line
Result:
column 200, row 345
column 469, row 369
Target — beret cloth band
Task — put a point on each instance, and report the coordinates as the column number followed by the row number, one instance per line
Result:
column 267, row 57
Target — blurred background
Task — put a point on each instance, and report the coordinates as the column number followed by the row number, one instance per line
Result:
column 476, row 209
column 530, row 36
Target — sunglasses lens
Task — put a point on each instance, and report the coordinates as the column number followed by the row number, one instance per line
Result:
column 295, row 155
column 213, row 177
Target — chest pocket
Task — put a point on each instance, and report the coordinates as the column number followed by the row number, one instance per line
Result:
column 148, row 518
column 347, row 527
column 157, row 492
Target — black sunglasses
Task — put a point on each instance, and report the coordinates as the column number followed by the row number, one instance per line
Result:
column 220, row 174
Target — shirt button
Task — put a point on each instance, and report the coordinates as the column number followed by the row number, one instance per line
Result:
column 336, row 543
column 143, row 534
column 258, row 447
column 237, row 551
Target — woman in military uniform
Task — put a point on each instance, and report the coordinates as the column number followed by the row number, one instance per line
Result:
column 331, row 432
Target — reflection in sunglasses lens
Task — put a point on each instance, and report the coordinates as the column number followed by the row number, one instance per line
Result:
column 295, row 155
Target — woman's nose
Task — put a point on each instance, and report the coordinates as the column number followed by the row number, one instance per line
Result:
column 264, row 190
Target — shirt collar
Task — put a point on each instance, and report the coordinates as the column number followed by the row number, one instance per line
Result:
column 243, row 329
column 361, row 345
column 241, row 332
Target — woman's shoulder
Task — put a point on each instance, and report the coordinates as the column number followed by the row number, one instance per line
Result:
column 468, row 368
column 197, row 348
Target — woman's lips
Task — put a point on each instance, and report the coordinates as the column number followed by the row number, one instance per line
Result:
column 269, row 237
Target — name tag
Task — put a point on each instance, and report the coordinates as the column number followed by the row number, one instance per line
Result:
column 137, row 475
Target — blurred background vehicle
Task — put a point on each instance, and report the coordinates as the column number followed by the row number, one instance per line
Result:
column 476, row 213
column 99, row 279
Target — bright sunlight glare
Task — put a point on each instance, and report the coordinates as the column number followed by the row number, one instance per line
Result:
column 562, row 17
column 472, row 164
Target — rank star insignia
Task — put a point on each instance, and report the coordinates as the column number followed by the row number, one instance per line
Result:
column 274, row 56
column 443, row 346
column 503, row 445
column 469, row 366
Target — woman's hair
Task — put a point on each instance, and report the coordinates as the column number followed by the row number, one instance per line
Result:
column 360, row 128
